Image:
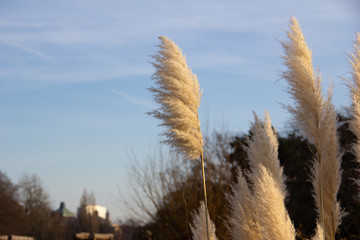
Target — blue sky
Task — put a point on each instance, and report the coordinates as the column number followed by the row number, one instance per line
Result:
column 74, row 76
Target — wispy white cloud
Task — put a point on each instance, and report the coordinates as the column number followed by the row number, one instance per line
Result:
column 67, row 36
column 86, row 73
column 27, row 49
column 115, row 22
column 133, row 99
column 66, row 28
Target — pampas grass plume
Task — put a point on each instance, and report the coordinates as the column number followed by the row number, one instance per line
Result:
column 243, row 219
column 269, row 190
column 178, row 93
column 268, row 198
column 316, row 118
column 263, row 149
column 261, row 213
column 319, row 233
column 355, row 92
column 199, row 228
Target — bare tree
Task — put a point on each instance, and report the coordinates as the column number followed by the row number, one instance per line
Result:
column 33, row 197
column 40, row 222
column 12, row 214
column 88, row 223
column 164, row 191
column 87, row 198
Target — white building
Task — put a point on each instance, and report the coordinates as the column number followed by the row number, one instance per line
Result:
column 101, row 210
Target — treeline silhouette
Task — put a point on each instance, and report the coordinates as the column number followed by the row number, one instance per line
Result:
column 25, row 210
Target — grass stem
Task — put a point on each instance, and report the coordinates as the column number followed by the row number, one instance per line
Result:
column 205, row 197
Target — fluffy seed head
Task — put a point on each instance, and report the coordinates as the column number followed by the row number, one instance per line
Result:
column 199, row 228
column 304, row 83
column 316, row 118
column 273, row 218
column 319, row 233
column 178, row 93
column 243, row 219
column 261, row 213
column 263, row 149
column 355, row 92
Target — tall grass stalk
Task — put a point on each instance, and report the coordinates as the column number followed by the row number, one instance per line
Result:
column 269, row 190
column 178, row 93
column 261, row 213
column 316, row 118
column 355, row 93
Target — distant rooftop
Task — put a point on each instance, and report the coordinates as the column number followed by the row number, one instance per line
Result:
column 64, row 212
